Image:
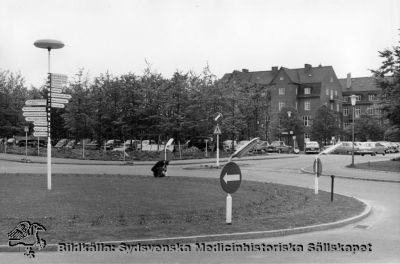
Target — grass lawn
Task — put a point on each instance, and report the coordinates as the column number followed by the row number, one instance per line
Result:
column 86, row 208
column 387, row 165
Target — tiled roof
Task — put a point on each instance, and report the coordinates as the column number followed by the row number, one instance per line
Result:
column 262, row 77
column 360, row 84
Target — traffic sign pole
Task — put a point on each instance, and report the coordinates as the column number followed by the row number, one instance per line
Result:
column 229, row 209
column 217, row 150
column 48, row 131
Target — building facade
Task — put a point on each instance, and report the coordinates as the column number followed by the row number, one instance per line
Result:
column 304, row 89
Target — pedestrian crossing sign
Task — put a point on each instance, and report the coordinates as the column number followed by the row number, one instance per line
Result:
column 217, row 130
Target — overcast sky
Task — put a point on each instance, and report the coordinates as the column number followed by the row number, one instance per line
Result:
column 119, row 35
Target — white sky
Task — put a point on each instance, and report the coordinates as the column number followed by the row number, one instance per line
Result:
column 118, row 35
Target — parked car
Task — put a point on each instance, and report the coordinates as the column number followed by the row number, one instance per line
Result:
column 113, row 143
column 345, row 147
column 312, row 147
column 261, row 147
column 229, row 145
column 371, row 148
column 201, row 142
column 150, row 145
column 132, row 144
column 71, row 144
column 61, row 143
column 92, row 145
column 11, row 141
column 278, row 146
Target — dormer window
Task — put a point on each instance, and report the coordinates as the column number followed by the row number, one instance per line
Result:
column 281, row 91
column 307, row 90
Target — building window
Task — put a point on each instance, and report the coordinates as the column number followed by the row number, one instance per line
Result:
column 281, row 91
column 358, row 97
column 346, row 124
column 370, row 110
column 336, row 93
column 281, row 78
column 307, row 90
column 307, row 106
column 337, row 108
column 358, row 111
column 372, row 97
column 306, row 121
column 306, row 137
column 327, row 92
column 345, row 111
column 332, row 106
column 345, row 99
column 281, row 105
column 296, row 105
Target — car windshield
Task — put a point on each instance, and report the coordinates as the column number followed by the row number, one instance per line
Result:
column 312, row 144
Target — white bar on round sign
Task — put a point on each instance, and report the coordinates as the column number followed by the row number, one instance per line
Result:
column 34, row 114
column 35, row 118
column 33, row 109
column 60, row 95
column 59, row 100
column 40, row 128
column 56, row 105
column 36, row 102
column 40, row 134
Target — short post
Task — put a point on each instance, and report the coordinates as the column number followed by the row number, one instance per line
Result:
column 228, row 209
column 83, row 149
column 26, row 144
column 217, row 150
column 124, row 151
column 332, row 185
column 206, row 147
column 316, row 184
column 38, row 146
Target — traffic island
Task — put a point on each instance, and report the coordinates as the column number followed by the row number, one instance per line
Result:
column 92, row 208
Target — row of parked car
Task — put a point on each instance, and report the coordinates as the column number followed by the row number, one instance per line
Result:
column 360, row 148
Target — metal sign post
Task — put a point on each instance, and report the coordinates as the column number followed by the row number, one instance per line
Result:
column 230, row 179
column 26, row 129
column 49, row 45
column 217, row 131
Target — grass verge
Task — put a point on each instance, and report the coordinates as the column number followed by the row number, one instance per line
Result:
column 88, row 208
column 387, row 165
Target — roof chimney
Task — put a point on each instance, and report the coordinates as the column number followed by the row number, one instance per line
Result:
column 348, row 81
column 274, row 70
column 307, row 67
column 245, row 70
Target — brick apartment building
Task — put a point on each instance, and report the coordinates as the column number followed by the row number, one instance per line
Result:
column 304, row 89
column 367, row 102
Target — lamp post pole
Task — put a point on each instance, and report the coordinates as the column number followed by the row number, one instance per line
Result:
column 353, row 103
column 49, row 45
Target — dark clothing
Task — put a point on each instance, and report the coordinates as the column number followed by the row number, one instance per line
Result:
column 160, row 168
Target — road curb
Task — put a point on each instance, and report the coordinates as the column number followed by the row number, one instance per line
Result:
column 221, row 237
column 304, row 170
column 144, row 163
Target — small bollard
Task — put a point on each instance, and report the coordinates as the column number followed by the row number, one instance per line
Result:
column 332, row 184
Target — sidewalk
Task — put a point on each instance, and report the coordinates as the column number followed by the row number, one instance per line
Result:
column 36, row 159
column 341, row 171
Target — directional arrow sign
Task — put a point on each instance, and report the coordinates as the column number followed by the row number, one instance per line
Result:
column 230, row 177
column 60, row 95
column 36, row 102
column 33, row 109
column 34, row 114
column 40, row 134
column 40, row 129
column 56, row 105
column 40, row 123
column 55, row 90
column 35, row 118
column 59, row 100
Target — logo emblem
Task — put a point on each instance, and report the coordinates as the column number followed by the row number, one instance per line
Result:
column 27, row 234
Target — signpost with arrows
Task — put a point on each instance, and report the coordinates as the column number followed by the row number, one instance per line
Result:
column 231, row 176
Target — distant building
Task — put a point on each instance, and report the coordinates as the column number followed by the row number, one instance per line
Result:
column 304, row 89
column 367, row 103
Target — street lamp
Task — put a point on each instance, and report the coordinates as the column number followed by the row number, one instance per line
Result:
column 353, row 103
column 48, row 44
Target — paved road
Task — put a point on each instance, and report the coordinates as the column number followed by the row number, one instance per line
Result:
column 381, row 229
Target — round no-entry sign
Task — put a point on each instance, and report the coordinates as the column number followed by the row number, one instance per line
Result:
column 230, row 177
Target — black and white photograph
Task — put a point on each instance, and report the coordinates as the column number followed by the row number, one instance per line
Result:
column 199, row 131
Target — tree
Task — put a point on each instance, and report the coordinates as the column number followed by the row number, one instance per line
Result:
column 368, row 128
column 388, row 78
column 289, row 122
column 325, row 125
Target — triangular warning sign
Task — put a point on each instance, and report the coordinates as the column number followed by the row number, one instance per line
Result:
column 217, row 130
